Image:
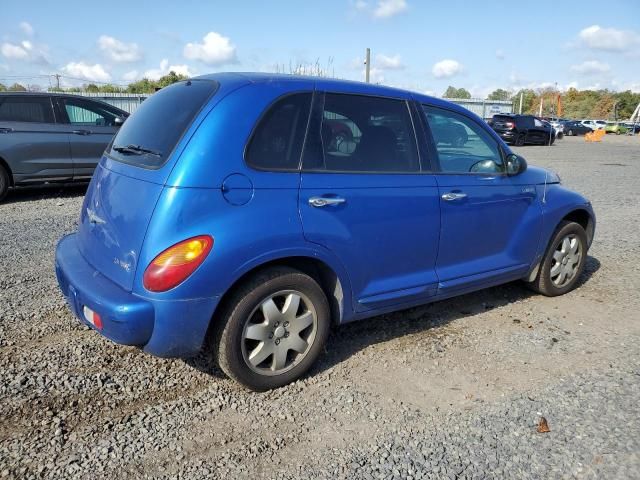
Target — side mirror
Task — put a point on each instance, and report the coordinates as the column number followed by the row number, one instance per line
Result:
column 118, row 121
column 515, row 164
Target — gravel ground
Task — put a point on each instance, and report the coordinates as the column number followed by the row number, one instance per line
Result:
column 451, row 390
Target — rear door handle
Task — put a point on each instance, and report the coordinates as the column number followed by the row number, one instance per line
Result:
column 451, row 196
column 82, row 132
column 325, row 201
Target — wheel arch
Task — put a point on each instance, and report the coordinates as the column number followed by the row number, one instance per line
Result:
column 583, row 218
column 335, row 286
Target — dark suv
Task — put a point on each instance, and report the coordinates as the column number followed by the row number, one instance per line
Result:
column 47, row 137
column 523, row 129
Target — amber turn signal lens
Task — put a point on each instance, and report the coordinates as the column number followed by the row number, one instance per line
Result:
column 176, row 263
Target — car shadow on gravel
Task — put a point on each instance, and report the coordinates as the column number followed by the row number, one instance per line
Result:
column 347, row 340
column 41, row 192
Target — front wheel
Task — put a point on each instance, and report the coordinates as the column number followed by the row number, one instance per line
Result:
column 563, row 262
column 273, row 329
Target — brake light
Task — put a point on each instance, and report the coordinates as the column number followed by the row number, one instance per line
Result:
column 176, row 263
column 510, row 124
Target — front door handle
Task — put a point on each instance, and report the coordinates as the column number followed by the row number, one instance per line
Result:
column 449, row 197
column 325, row 201
column 82, row 132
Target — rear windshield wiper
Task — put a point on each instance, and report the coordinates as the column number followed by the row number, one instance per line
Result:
column 136, row 150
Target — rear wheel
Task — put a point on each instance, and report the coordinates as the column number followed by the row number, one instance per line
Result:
column 273, row 329
column 4, row 182
column 520, row 140
column 563, row 262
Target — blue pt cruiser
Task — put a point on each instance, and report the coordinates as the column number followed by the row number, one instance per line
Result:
column 243, row 214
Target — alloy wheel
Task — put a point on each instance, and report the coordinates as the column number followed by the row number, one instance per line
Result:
column 566, row 260
column 279, row 333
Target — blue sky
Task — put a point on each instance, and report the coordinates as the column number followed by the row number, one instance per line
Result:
column 419, row 45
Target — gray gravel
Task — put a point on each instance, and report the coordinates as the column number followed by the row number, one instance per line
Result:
column 450, row 390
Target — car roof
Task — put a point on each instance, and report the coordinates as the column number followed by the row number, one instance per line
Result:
column 324, row 83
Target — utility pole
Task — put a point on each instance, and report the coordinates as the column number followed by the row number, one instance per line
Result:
column 57, row 81
column 367, row 67
column 521, row 100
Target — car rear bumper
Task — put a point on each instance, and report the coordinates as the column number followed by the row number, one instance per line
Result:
column 165, row 328
column 507, row 135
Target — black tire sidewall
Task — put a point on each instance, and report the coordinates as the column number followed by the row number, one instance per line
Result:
column 245, row 302
column 546, row 285
column 4, row 183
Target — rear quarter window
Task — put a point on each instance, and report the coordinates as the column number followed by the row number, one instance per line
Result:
column 34, row 109
column 159, row 123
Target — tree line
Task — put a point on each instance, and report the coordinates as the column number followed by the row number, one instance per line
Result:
column 598, row 104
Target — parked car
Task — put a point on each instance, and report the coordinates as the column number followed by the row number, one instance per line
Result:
column 231, row 229
column 594, row 124
column 575, row 127
column 616, row 127
column 52, row 137
column 523, row 129
column 632, row 128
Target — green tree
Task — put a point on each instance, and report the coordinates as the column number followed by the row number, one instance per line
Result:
column 16, row 87
column 499, row 94
column 528, row 99
column 453, row 92
column 3, row 88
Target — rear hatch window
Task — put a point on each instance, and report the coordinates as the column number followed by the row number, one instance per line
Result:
column 149, row 136
column 503, row 121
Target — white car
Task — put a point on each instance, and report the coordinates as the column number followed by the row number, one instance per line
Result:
column 594, row 124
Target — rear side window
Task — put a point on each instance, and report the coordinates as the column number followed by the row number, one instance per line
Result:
column 159, row 123
column 364, row 134
column 82, row 112
column 26, row 109
column 276, row 143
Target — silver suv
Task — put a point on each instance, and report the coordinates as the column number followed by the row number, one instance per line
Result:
column 48, row 137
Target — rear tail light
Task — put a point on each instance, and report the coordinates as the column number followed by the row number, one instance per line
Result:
column 176, row 263
column 510, row 124
column 92, row 317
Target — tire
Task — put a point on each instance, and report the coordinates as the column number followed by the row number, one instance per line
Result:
column 5, row 181
column 520, row 140
column 570, row 133
column 245, row 331
column 544, row 282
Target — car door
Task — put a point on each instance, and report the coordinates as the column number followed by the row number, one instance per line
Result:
column 536, row 130
column 364, row 197
column 35, row 147
column 490, row 222
column 90, row 126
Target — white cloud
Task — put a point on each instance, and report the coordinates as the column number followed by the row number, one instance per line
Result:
column 608, row 39
column 447, row 68
column 389, row 8
column 215, row 49
column 26, row 28
column 118, row 51
column 84, row 71
column 165, row 68
column 385, row 62
column 13, row 51
column 25, row 50
column 591, row 67
column 131, row 76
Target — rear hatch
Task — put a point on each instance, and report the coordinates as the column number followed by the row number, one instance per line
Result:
column 130, row 177
column 502, row 123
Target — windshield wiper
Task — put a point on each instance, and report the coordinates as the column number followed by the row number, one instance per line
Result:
column 136, row 150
